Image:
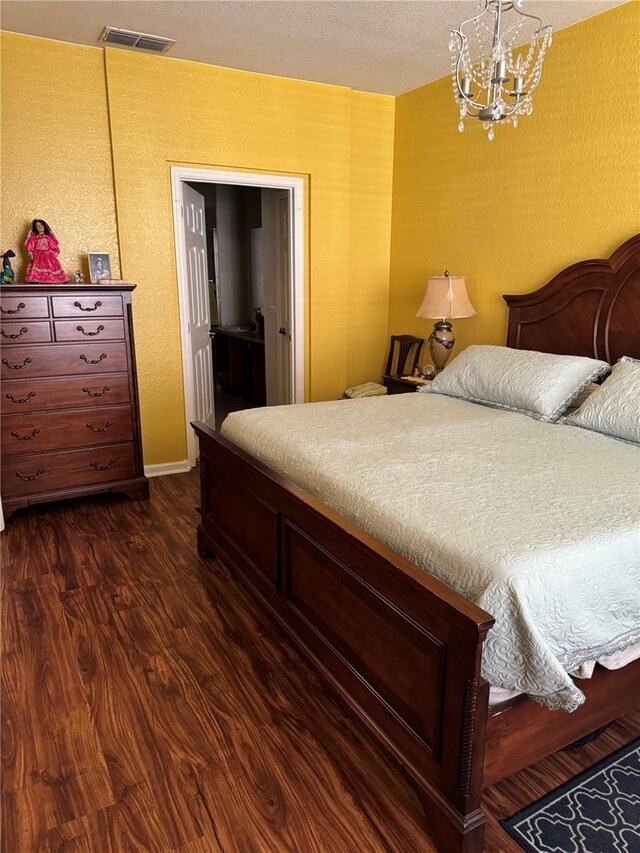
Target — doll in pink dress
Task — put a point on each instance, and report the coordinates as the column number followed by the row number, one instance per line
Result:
column 43, row 250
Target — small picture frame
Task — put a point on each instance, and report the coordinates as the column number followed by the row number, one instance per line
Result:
column 99, row 267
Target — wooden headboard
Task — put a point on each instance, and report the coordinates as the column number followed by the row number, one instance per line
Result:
column 591, row 308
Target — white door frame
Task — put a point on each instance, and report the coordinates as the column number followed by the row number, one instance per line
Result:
column 180, row 174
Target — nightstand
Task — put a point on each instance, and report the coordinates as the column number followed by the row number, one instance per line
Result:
column 398, row 385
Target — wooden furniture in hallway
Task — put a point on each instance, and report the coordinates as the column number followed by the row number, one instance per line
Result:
column 70, row 420
column 239, row 363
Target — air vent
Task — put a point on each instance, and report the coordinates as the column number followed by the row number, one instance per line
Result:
column 159, row 44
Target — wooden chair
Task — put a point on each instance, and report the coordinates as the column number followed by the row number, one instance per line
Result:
column 404, row 352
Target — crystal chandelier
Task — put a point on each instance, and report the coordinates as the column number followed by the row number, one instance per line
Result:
column 502, row 45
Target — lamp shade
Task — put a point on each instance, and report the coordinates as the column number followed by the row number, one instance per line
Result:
column 446, row 297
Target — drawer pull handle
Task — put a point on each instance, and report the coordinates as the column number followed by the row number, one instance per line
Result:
column 91, row 334
column 25, row 437
column 109, row 464
column 106, row 389
column 23, row 331
column 95, row 307
column 93, row 361
column 16, row 366
column 35, row 476
column 17, row 310
column 99, row 429
column 26, row 399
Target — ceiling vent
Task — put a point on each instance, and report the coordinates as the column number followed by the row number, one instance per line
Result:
column 159, row 44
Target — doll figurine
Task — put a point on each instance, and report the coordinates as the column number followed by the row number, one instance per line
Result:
column 8, row 275
column 43, row 250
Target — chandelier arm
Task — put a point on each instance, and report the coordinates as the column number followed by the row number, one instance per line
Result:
column 475, row 17
column 510, row 109
column 539, row 49
column 469, row 101
column 475, row 104
column 529, row 16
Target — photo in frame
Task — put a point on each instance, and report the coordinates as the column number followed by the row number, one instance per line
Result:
column 99, row 267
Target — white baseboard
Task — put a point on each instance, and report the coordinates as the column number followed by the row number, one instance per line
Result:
column 165, row 468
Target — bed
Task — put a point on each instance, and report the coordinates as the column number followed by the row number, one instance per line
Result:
column 403, row 648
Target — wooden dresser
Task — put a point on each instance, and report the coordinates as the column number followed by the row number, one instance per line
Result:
column 69, row 399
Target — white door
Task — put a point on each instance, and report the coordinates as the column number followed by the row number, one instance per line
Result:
column 283, row 296
column 199, row 319
column 270, row 307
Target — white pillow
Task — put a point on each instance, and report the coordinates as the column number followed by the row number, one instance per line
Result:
column 581, row 398
column 537, row 384
column 614, row 409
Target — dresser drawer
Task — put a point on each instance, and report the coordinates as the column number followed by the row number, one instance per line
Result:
column 18, row 307
column 30, row 433
column 30, row 332
column 19, row 362
column 89, row 330
column 88, row 305
column 46, row 472
column 30, row 395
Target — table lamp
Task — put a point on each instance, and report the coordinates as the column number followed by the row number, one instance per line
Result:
column 446, row 298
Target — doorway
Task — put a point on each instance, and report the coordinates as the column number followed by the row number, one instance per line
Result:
column 239, row 252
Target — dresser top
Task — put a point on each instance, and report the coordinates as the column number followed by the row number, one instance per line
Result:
column 66, row 288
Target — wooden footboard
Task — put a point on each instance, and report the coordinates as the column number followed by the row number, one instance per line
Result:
column 402, row 648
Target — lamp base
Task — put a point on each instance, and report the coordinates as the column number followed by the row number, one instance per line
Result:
column 441, row 341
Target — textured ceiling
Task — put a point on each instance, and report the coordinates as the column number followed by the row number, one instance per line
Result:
column 385, row 46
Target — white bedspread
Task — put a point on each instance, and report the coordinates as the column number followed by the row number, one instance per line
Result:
column 537, row 523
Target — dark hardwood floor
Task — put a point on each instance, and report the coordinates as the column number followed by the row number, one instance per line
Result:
column 149, row 705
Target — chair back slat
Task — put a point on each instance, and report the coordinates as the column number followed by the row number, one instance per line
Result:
column 404, row 352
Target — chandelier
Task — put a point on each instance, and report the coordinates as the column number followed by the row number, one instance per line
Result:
column 496, row 63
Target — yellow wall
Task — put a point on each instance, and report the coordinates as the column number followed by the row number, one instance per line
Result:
column 187, row 113
column 165, row 112
column 56, row 151
column 371, row 181
column 509, row 214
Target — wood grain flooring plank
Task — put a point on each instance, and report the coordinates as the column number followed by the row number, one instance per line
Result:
column 46, row 718
column 30, row 813
column 273, row 818
column 132, row 825
column 231, row 760
column 149, row 705
column 18, row 739
column 282, row 674
column 184, row 603
column 190, row 729
column 125, row 725
column 296, row 752
column 32, row 554
column 176, row 697
column 206, row 844
column 53, row 766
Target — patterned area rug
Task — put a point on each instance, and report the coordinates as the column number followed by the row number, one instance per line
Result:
column 595, row 812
